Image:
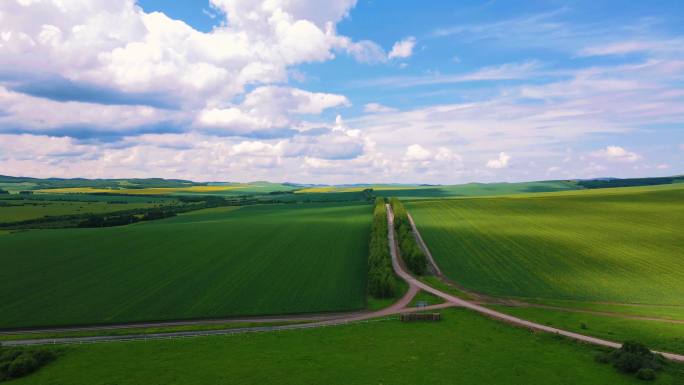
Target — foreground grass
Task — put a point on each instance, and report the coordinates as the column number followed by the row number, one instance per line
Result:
column 275, row 259
column 655, row 334
column 621, row 245
column 464, row 348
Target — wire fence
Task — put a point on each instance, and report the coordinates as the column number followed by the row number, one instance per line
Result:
column 192, row 334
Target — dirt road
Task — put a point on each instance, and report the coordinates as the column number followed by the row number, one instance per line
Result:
column 398, row 307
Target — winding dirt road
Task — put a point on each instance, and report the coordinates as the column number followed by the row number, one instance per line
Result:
column 397, row 308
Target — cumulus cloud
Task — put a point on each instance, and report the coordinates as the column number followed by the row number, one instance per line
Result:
column 267, row 110
column 416, row 152
column 500, row 162
column 113, row 52
column 616, row 154
column 402, row 49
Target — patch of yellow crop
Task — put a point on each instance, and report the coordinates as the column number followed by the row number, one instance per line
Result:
column 314, row 190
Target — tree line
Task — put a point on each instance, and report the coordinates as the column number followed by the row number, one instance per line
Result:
column 411, row 253
column 381, row 279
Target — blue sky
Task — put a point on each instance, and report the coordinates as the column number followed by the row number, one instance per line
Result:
column 342, row 92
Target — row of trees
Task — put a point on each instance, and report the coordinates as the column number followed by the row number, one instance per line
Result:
column 381, row 279
column 411, row 253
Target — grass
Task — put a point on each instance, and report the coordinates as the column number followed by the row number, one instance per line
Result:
column 257, row 260
column 424, row 296
column 464, row 348
column 441, row 286
column 666, row 312
column 618, row 245
column 373, row 303
column 655, row 334
column 145, row 330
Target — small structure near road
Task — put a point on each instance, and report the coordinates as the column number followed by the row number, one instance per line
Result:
column 410, row 317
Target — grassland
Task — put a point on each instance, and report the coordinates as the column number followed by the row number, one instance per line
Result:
column 671, row 312
column 464, row 348
column 655, row 334
column 255, row 260
column 619, row 245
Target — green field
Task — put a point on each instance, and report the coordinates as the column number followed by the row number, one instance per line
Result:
column 17, row 210
column 209, row 263
column 464, row 348
column 657, row 335
column 619, row 244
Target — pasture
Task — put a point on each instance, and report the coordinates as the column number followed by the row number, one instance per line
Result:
column 221, row 262
column 619, row 245
column 463, row 348
column 658, row 335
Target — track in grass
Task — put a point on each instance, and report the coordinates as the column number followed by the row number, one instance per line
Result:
column 215, row 263
column 622, row 245
column 655, row 334
column 464, row 348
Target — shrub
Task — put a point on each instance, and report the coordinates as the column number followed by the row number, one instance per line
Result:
column 646, row 374
column 634, row 357
column 381, row 278
column 411, row 253
column 17, row 362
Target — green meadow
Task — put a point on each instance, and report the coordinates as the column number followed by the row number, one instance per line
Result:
column 254, row 260
column 464, row 348
column 618, row 244
column 657, row 335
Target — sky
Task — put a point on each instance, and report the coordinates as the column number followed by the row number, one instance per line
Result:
column 342, row 91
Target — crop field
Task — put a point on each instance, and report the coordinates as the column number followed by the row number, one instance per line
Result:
column 440, row 191
column 141, row 191
column 619, row 245
column 464, row 348
column 24, row 210
column 213, row 263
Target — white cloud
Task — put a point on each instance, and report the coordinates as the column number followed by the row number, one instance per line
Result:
column 500, row 162
column 115, row 44
column 617, row 154
column 416, row 152
column 625, row 47
column 506, row 71
column 663, row 166
column 267, row 110
column 402, row 49
column 37, row 114
column 373, row 108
